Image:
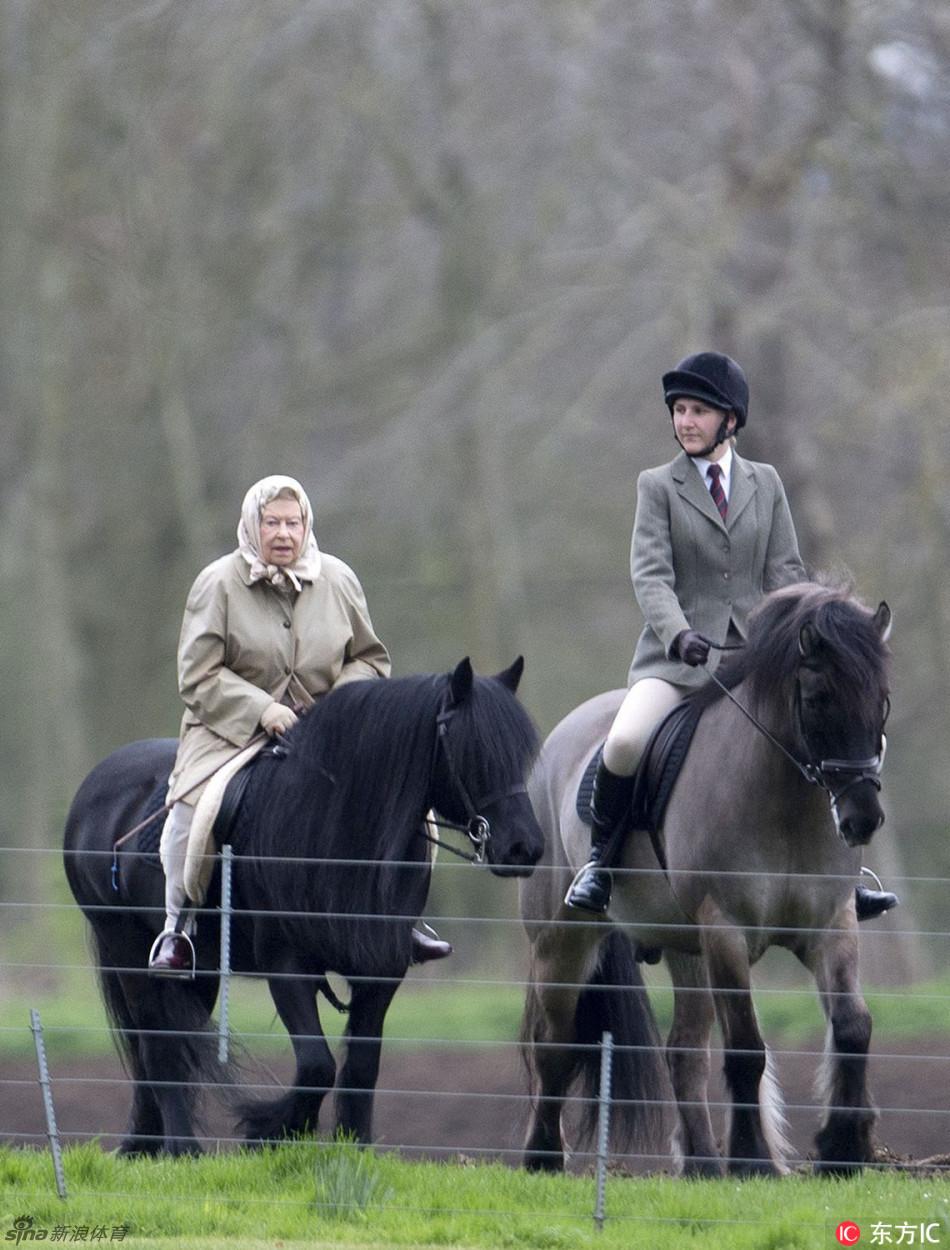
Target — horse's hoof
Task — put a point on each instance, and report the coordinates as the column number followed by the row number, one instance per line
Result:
column 837, row 1170
column 543, row 1161
column 745, row 1169
column 702, row 1169
column 133, row 1148
column 258, row 1136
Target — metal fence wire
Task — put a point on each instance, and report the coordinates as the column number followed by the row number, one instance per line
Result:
column 442, row 1096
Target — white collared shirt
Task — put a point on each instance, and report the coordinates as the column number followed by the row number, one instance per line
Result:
column 725, row 464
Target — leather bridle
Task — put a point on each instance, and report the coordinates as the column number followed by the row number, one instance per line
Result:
column 477, row 825
column 825, row 773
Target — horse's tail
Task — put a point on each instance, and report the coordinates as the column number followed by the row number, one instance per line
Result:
column 558, row 1057
column 136, row 1007
column 120, row 1017
column 615, row 1001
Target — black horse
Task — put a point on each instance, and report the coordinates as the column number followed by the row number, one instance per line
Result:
column 350, row 790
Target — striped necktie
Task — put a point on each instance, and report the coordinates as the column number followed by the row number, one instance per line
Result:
column 715, row 489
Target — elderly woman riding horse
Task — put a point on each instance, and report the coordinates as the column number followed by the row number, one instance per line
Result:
column 268, row 630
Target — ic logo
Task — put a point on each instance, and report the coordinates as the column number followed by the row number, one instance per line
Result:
column 848, row 1233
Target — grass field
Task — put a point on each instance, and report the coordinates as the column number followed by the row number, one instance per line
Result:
column 333, row 1195
column 337, row 1195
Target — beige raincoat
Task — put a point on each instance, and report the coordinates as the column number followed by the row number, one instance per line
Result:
column 245, row 643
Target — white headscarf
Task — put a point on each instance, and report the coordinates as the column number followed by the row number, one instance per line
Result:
column 306, row 568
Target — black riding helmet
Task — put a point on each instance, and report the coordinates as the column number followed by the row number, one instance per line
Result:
column 712, row 377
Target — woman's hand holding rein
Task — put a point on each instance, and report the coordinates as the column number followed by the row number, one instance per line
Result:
column 691, row 647
column 277, row 718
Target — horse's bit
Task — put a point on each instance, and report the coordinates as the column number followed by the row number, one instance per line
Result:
column 477, row 826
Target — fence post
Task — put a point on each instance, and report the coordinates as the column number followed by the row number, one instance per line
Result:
column 51, row 1130
column 603, row 1126
column 223, row 1014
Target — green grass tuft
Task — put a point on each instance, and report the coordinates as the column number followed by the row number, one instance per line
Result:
column 348, row 1182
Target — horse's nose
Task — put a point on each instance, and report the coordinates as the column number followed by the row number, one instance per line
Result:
column 529, row 853
column 857, row 828
column 519, row 857
column 523, row 853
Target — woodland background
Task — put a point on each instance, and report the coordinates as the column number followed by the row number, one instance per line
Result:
column 432, row 258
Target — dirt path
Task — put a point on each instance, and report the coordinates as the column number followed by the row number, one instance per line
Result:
column 421, row 1110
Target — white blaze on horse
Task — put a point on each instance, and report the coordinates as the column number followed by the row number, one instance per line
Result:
column 759, row 846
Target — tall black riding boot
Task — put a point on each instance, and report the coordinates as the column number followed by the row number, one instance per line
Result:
column 871, row 903
column 610, row 799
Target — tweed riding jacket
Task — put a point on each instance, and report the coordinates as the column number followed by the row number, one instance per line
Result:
column 692, row 570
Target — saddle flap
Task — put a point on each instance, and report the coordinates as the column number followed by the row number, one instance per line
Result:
column 211, row 824
column 231, row 803
column 660, row 766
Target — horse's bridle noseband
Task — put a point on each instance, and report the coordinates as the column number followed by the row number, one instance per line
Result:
column 477, row 827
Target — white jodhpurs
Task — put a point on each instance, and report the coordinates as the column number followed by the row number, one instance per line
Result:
column 172, row 850
column 644, row 706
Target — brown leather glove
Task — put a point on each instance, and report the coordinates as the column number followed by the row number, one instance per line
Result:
column 277, row 718
column 691, row 647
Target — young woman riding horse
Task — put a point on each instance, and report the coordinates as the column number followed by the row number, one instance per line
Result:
column 758, row 846
column 267, row 631
column 713, row 533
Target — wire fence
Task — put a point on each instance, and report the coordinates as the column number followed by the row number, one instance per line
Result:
column 442, row 1096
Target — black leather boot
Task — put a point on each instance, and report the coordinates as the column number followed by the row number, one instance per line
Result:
column 172, row 955
column 426, row 948
column 871, row 903
column 610, row 799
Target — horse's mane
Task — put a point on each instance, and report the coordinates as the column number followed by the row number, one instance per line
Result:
column 377, row 741
column 354, row 786
column 851, row 646
column 371, row 745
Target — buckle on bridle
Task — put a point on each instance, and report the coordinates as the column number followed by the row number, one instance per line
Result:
column 479, row 834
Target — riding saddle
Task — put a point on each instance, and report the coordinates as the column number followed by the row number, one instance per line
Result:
column 214, row 830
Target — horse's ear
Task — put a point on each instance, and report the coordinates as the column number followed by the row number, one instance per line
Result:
column 808, row 641
column 883, row 620
column 511, row 677
column 461, row 680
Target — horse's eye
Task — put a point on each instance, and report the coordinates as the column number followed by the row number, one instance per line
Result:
column 816, row 699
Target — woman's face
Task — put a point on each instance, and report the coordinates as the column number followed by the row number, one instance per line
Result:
column 281, row 532
column 697, row 424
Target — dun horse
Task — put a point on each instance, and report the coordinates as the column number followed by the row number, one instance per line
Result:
column 753, row 855
column 352, row 783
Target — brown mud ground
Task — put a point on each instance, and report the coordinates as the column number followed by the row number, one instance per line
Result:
column 471, row 1102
